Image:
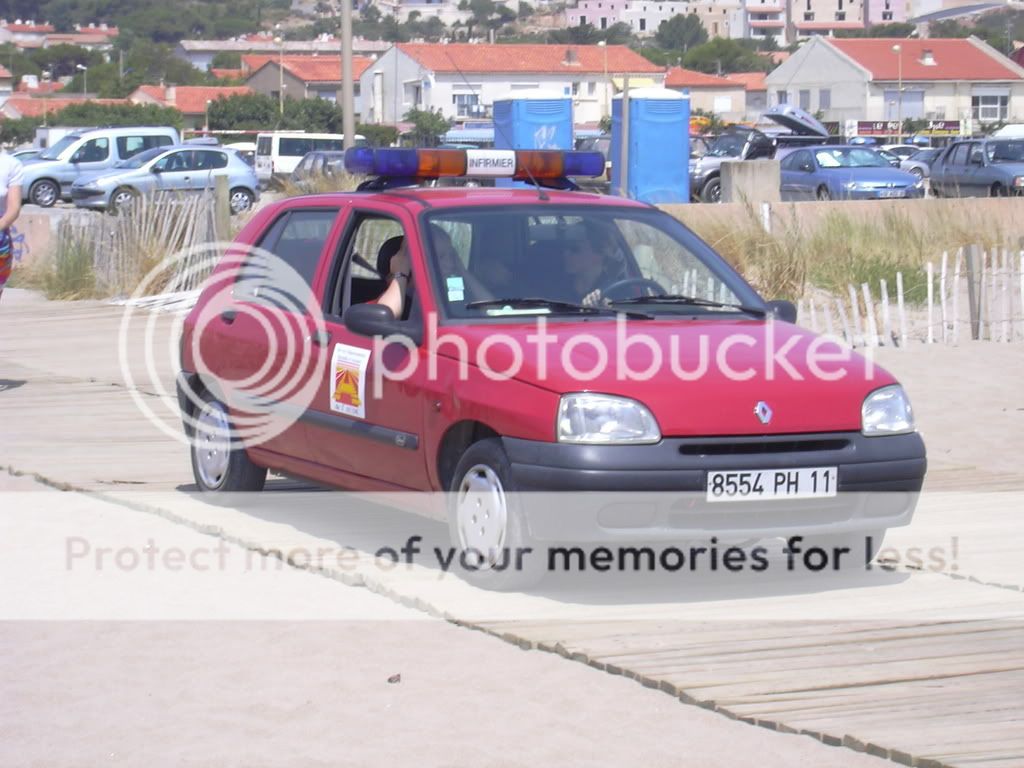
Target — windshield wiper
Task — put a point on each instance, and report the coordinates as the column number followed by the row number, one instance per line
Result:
column 553, row 305
column 691, row 301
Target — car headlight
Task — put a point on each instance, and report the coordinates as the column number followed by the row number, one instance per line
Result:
column 1018, row 181
column 584, row 417
column 887, row 411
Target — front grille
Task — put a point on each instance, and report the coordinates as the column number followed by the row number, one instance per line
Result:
column 754, row 447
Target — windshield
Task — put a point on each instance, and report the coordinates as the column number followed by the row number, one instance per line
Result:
column 139, row 160
column 846, row 157
column 728, row 145
column 1005, row 151
column 592, row 256
column 54, row 152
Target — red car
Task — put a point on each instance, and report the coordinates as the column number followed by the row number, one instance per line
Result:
column 548, row 340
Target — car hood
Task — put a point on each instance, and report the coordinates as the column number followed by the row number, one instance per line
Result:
column 796, row 120
column 764, row 361
column 873, row 175
column 104, row 177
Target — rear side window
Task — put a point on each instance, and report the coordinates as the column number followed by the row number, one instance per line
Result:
column 92, row 151
column 264, row 145
column 297, row 239
column 959, row 155
column 128, row 146
column 294, row 147
column 207, row 160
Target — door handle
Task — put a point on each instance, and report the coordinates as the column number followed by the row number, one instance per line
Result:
column 320, row 338
column 229, row 315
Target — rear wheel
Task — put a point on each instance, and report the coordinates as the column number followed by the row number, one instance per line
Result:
column 241, row 200
column 824, row 194
column 219, row 462
column 712, row 192
column 998, row 190
column 486, row 522
column 44, row 193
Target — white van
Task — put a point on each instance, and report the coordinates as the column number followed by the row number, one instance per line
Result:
column 1011, row 131
column 279, row 152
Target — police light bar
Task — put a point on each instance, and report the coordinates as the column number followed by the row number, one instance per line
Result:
column 521, row 164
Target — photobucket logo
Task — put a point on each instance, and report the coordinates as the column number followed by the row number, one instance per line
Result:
column 253, row 370
column 630, row 354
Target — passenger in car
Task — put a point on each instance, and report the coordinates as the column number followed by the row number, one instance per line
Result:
column 394, row 253
column 591, row 261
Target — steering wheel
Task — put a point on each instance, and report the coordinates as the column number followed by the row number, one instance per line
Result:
column 629, row 282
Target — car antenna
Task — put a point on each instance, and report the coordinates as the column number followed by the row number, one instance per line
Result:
column 541, row 194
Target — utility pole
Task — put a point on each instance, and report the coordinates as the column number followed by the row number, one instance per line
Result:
column 348, row 98
column 898, row 50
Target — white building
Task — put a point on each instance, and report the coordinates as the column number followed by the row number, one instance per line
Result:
column 463, row 80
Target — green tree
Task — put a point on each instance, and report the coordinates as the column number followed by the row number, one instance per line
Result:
column 19, row 130
column 722, row 55
column 378, row 135
column 619, row 33
column 680, row 33
column 428, row 126
column 525, row 11
column 227, row 60
column 250, row 112
column 583, row 34
column 91, row 113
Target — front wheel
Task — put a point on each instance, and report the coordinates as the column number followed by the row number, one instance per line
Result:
column 712, row 192
column 998, row 190
column 219, row 461
column 44, row 193
column 824, row 194
column 122, row 199
column 486, row 522
column 241, row 200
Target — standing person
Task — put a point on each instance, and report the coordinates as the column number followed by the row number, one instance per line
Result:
column 11, row 177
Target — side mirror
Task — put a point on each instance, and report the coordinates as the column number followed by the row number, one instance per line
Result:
column 783, row 310
column 76, row 158
column 378, row 320
column 156, row 169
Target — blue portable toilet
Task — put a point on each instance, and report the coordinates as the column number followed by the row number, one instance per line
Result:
column 659, row 146
column 533, row 119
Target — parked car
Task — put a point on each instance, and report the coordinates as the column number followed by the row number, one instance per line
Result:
column 760, row 454
column 843, row 173
column 278, row 153
column 245, row 149
column 317, row 164
column 981, row 168
column 920, row 163
column 50, row 174
column 891, row 158
column 902, row 151
column 163, row 170
column 743, row 143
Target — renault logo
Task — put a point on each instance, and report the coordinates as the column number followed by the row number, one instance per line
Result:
column 763, row 412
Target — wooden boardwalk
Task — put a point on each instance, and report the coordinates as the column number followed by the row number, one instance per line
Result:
column 925, row 669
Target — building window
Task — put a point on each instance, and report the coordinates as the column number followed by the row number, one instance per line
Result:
column 583, row 20
column 805, row 100
column 643, row 25
column 783, row 97
column 808, row 17
column 840, row 15
column 824, row 99
column 886, row 15
column 576, row 89
column 466, row 104
column 591, row 88
column 840, row 6
column 990, row 109
column 604, row 22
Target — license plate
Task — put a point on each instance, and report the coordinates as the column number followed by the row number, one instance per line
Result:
column 890, row 193
column 761, row 484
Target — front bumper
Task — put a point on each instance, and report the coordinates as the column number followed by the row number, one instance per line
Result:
column 89, row 198
column 657, row 492
column 909, row 193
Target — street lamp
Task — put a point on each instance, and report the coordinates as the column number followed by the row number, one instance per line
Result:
column 280, row 74
column 85, row 77
column 898, row 50
column 604, row 85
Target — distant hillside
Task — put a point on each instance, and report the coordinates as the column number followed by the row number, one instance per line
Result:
column 164, row 21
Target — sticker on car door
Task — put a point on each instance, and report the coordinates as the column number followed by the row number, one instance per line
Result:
column 348, row 380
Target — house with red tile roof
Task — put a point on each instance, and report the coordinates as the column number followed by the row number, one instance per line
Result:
column 884, row 79
column 6, row 81
column 710, row 93
column 21, row 105
column 302, row 77
column 190, row 100
column 463, row 80
column 756, row 91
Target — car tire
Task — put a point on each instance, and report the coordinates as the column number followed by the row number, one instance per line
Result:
column 998, row 190
column 859, row 553
column 217, row 464
column 485, row 516
column 241, row 200
column 823, row 194
column 712, row 192
column 44, row 193
column 122, row 198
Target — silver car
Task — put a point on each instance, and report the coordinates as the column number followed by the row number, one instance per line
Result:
column 177, row 169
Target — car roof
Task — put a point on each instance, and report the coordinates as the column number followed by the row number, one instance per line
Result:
column 459, row 197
